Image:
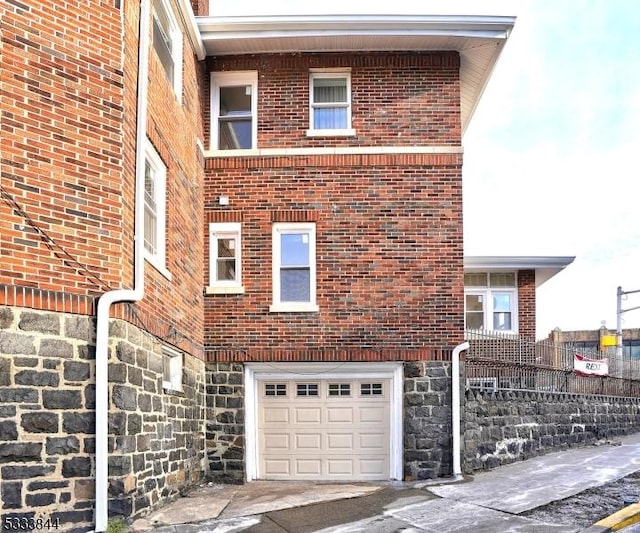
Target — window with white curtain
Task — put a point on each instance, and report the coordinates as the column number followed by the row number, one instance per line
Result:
column 225, row 268
column 330, row 103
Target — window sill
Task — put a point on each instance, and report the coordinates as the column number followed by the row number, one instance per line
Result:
column 349, row 132
column 294, row 307
column 168, row 389
column 159, row 267
column 224, row 290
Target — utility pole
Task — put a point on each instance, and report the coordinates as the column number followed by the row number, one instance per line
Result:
column 619, row 312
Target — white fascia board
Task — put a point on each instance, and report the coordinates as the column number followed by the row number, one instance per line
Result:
column 189, row 19
column 545, row 267
column 480, row 26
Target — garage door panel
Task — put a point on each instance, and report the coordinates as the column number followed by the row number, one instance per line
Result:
column 340, row 415
column 308, row 441
column 276, row 442
column 308, row 415
column 373, row 441
column 373, row 467
column 340, row 441
column 277, row 467
column 309, row 467
column 373, row 415
column 340, row 467
column 274, row 415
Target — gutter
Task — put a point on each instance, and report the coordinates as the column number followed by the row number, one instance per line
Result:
column 455, row 407
column 122, row 295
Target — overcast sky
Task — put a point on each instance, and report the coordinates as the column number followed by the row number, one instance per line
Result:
column 550, row 155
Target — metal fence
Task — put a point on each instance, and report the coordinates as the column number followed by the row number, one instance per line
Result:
column 507, row 362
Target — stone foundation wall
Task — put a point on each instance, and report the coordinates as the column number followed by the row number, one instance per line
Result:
column 508, row 426
column 427, row 420
column 225, row 430
column 47, row 420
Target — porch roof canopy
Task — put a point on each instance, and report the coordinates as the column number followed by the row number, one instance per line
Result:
column 545, row 267
column 478, row 39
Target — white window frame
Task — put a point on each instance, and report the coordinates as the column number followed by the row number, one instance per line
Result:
column 281, row 228
column 176, row 369
column 487, row 293
column 157, row 257
column 326, row 132
column 175, row 34
column 224, row 230
column 226, row 79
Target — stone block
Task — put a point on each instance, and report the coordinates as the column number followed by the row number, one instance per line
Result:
column 76, row 371
column 11, row 494
column 20, row 452
column 117, row 373
column 55, row 348
column 78, row 422
column 18, row 395
column 125, row 352
column 5, row 372
column 84, row 489
column 16, row 343
column 47, row 485
column 61, row 399
column 119, row 465
column 24, row 472
column 8, row 430
column 25, row 362
column 40, row 499
column 76, row 467
column 40, row 322
column 125, row 397
column 79, row 327
column 62, row 445
column 40, row 422
column 36, row 378
column 6, row 317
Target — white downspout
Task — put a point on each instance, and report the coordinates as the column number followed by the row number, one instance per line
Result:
column 122, row 295
column 455, row 407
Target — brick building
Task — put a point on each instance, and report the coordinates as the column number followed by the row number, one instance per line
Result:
column 230, row 247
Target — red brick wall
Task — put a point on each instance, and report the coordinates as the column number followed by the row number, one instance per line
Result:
column 389, row 256
column 68, row 147
column 527, row 304
column 62, row 142
column 401, row 99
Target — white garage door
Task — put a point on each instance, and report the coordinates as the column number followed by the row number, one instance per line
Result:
column 324, row 429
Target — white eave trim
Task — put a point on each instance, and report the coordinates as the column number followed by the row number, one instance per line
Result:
column 190, row 24
column 545, row 267
column 517, row 262
column 280, row 25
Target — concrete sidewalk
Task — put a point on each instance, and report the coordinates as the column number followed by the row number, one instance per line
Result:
column 488, row 502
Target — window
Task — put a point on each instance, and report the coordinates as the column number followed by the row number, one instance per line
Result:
column 155, row 178
column 275, row 389
column 225, row 265
column 167, row 42
column 339, row 389
column 490, row 301
column 294, row 267
column 234, row 108
column 171, row 369
column 371, row 389
column 306, row 389
column 330, row 103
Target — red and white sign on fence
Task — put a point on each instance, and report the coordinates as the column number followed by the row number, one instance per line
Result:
column 584, row 366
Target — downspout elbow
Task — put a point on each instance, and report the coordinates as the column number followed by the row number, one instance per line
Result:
column 455, row 407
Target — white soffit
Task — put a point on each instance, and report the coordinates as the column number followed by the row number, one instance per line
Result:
column 545, row 266
column 478, row 39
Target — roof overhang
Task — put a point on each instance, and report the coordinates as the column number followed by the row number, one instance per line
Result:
column 545, row 266
column 478, row 39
